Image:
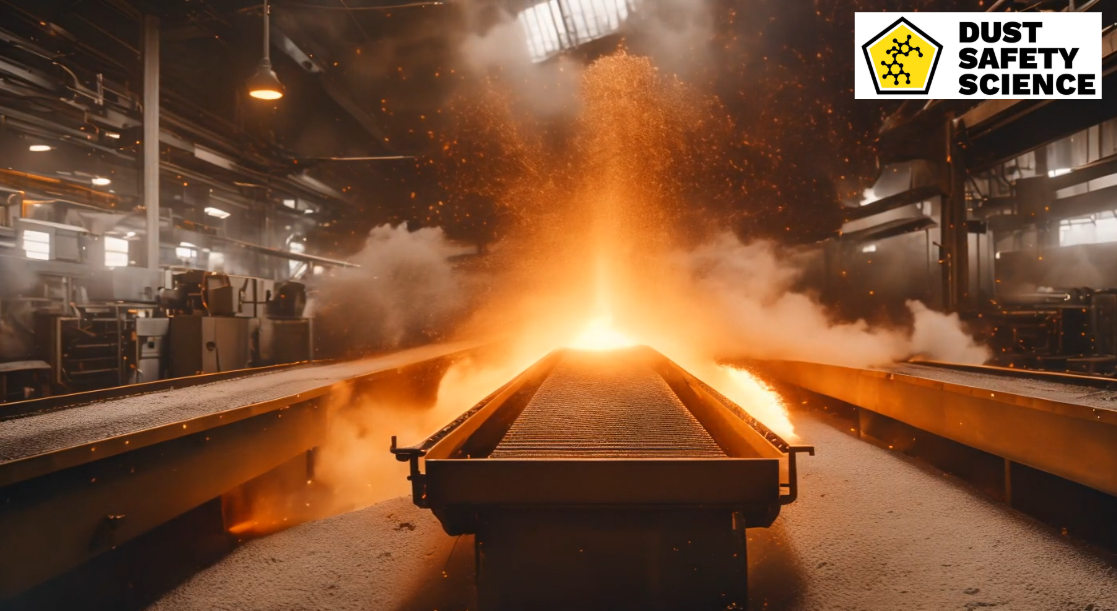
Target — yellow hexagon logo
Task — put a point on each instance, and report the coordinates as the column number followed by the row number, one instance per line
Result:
column 902, row 59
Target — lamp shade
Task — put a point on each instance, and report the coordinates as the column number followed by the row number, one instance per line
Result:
column 264, row 84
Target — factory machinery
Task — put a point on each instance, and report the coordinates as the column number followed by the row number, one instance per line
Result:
column 1001, row 211
column 145, row 231
column 606, row 480
column 97, row 329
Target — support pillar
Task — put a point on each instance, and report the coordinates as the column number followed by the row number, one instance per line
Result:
column 151, row 136
column 954, row 234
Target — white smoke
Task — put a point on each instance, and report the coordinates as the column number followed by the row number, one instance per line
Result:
column 404, row 292
column 544, row 88
column 749, row 288
column 942, row 337
column 673, row 33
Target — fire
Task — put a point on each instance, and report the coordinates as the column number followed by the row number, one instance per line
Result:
column 755, row 397
column 739, row 385
column 603, row 246
column 599, row 334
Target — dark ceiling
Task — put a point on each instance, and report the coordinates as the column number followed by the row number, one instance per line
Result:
column 370, row 81
column 361, row 80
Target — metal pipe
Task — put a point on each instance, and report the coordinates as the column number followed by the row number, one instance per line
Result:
column 151, row 136
column 267, row 31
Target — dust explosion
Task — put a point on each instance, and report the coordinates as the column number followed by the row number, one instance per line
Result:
column 602, row 202
column 613, row 234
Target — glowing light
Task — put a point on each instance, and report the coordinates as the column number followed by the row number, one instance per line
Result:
column 39, row 148
column 101, row 181
column 266, row 94
column 755, row 397
column 599, row 334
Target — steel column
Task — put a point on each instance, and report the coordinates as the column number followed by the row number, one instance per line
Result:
column 954, row 235
column 151, row 136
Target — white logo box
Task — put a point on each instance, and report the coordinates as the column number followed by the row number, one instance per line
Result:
column 1066, row 31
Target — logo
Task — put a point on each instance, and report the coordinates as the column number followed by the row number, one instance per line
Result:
column 902, row 59
column 982, row 56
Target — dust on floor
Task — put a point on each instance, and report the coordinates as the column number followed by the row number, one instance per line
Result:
column 872, row 530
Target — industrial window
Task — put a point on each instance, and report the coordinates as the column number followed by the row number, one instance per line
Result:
column 1107, row 137
column 556, row 25
column 1068, row 153
column 1093, row 229
column 294, row 267
column 116, row 252
column 1097, row 184
column 186, row 250
column 36, row 245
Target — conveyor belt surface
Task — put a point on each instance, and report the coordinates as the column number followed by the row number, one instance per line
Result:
column 1052, row 390
column 97, row 421
column 596, row 405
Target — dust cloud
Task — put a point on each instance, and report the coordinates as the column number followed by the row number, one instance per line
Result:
column 546, row 89
column 355, row 469
column 404, row 292
column 617, row 229
column 748, row 290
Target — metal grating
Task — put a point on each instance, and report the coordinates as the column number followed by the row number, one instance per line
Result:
column 605, row 405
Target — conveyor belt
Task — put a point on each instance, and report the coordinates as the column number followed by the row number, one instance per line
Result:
column 1063, row 424
column 1058, row 388
column 93, row 422
column 151, row 457
column 600, row 406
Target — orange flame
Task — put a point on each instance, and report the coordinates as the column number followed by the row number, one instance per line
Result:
column 599, row 334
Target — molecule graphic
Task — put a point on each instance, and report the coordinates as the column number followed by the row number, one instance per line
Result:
column 894, row 68
column 904, row 48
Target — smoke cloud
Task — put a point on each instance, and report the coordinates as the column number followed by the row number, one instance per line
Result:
column 672, row 33
column 354, row 465
column 405, row 292
column 748, row 287
column 616, row 221
column 502, row 50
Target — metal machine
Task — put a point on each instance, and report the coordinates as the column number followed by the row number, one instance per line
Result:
column 98, row 328
column 222, row 322
column 606, row 480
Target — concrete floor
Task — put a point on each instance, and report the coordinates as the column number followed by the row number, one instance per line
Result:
column 872, row 530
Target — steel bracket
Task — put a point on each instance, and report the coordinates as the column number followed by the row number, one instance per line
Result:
column 792, row 484
column 418, row 480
